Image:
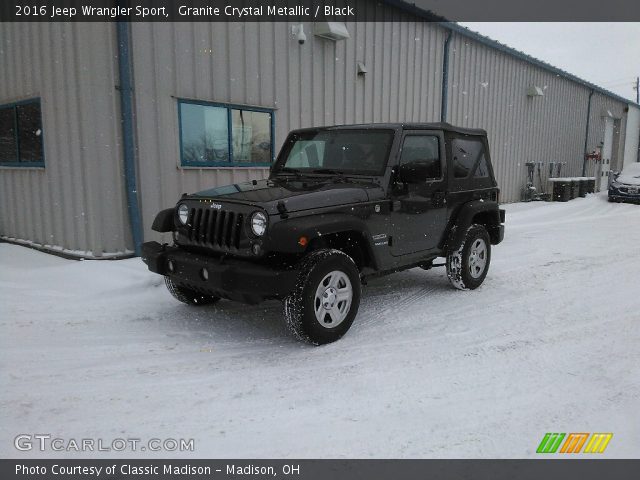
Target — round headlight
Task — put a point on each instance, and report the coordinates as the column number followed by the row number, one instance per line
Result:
column 258, row 223
column 183, row 213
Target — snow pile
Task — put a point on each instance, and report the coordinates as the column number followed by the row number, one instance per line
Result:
column 549, row 343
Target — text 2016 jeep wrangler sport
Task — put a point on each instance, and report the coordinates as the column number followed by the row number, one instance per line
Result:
column 341, row 204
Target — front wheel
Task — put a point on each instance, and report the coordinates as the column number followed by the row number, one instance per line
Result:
column 325, row 302
column 188, row 296
column 467, row 266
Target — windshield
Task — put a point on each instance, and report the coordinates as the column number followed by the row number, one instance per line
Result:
column 356, row 152
column 632, row 170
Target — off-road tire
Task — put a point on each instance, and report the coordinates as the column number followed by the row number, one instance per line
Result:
column 188, row 296
column 299, row 306
column 459, row 260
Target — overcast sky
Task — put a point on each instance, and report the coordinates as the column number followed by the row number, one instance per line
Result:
column 607, row 54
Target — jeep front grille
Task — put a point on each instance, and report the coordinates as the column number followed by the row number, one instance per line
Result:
column 214, row 228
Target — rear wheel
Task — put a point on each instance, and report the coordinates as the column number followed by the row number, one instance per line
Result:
column 188, row 296
column 467, row 266
column 325, row 302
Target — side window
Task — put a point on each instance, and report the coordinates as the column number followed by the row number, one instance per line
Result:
column 21, row 135
column 224, row 135
column 482, row 171
column 251, row 136
column 204, row 134
column 423, row 151
column 466, row 153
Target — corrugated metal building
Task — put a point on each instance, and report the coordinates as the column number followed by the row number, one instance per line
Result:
column 255, row 79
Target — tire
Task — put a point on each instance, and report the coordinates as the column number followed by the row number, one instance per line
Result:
column 325, row 301
column 467, row 266
column 188, row 296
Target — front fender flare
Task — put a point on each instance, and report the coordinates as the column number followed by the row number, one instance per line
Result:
column 164, row 221
column 284, row 235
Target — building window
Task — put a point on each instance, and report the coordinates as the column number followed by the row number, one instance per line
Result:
column 220, row 135
column 21, row 134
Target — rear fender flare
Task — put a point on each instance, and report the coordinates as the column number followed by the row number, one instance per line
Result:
column 464, row 219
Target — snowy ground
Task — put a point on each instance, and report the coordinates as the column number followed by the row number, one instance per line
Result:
column 549, row 343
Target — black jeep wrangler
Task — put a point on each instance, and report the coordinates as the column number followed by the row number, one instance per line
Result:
column 341, row 204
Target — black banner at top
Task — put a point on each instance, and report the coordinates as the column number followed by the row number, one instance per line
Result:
column 316, row 10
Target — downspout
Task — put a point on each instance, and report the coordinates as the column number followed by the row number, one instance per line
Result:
column 128, row 134
column 445, row 78
column 586, row 135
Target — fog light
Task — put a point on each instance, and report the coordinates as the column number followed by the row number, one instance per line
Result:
column 255, row 249
column 171, row 266
column 204, row 273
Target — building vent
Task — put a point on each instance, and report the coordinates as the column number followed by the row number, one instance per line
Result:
column 331, row 30
column 534, row 91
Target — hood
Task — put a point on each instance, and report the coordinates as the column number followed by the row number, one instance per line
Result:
column 630, row 174
column 628, row 179
column 295, row 194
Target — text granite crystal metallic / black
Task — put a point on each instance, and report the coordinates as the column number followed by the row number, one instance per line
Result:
column 341, row 204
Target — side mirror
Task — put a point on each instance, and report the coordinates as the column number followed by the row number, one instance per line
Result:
column 419, row 171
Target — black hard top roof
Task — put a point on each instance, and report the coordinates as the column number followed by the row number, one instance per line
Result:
column 403, row 126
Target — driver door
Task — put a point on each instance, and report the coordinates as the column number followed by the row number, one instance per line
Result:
column 419, row 211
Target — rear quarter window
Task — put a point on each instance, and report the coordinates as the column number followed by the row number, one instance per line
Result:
column 469, row 163
column 468, row 158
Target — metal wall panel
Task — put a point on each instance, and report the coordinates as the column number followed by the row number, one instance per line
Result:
column 262, row 64
column 601, row 107
column 632, row 137
column 76, row 203
column 488, row 89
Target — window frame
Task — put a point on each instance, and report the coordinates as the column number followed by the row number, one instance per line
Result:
column 16, row 134
column 469, row 183
column 291, row 138
column 441, row 151
column 229, row 107
column 476, row 162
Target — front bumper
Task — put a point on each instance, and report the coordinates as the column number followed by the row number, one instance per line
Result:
column 623, row 195
column 234, row 279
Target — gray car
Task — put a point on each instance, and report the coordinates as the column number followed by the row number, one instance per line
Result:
column 625, row 186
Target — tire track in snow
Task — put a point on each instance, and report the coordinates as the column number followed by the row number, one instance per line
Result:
column 390, row 310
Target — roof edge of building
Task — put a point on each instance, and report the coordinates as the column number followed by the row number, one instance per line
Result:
column 532, row 60
column 455, row 27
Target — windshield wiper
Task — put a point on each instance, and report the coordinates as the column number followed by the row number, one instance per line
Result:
column 297, row 173
column 327, row 171
column 335, row 174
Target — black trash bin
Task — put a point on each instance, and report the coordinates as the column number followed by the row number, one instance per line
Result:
column 575, row 188
column 591, row 184
column 561, row 189
column 582, row 191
